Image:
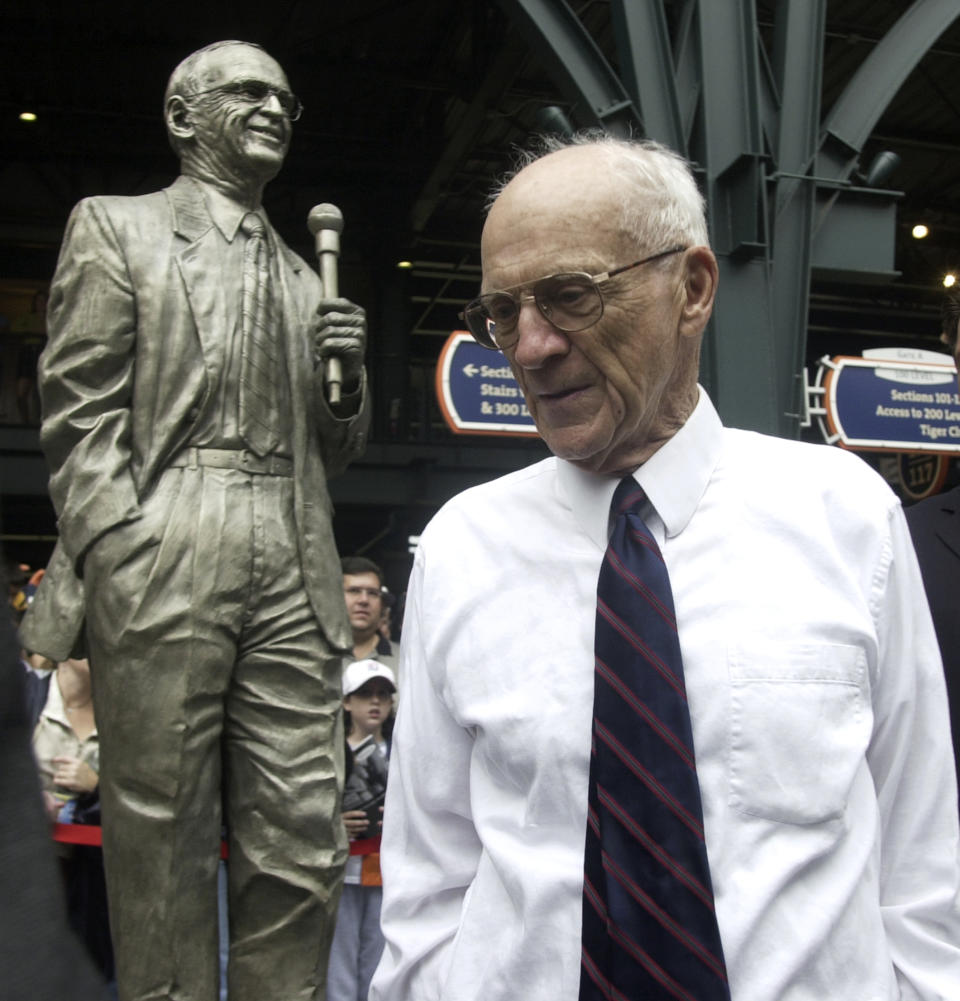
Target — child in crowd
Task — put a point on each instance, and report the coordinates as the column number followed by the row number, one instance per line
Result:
column 368, row 691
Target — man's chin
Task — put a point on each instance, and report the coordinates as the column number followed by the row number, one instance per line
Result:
column 575, row 445
column 264, row 159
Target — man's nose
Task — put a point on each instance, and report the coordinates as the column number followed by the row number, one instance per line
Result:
column 538, row 339
column 272, row 105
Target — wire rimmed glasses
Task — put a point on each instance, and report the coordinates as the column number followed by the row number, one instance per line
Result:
column 571, row 301
column 258, row 92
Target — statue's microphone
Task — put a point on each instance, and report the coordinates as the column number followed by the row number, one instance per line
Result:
column 326, row 223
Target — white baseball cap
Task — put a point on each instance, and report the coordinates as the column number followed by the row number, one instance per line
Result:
column 360, row 672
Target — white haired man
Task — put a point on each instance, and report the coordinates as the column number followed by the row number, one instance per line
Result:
column 768, row 812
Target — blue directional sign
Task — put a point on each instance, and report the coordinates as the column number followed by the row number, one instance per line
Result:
column 477, row 391
column 891, row 400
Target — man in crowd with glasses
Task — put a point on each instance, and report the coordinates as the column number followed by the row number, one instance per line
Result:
column 189, row 442
column 674, row 722
column 363, row 590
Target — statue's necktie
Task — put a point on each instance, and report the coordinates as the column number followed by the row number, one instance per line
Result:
column 259, row 346
column 649, row 926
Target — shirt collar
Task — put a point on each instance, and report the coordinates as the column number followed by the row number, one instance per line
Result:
column 225, row 213
column 55, row 709
column 674, row 477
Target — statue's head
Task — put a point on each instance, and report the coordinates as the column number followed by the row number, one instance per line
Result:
column 229, row 113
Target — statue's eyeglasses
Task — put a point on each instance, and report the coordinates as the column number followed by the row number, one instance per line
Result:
column 570, row 301
column 258, row 92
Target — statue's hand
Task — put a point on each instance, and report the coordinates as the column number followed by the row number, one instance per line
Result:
column 341, row 332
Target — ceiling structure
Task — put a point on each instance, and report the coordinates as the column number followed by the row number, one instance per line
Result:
column 413, row 107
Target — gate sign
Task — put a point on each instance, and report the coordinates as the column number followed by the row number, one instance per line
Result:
column 477, row 391
column 891, row 400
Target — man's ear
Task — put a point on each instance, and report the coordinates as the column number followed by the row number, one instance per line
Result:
column 177, row 116
column 699, row 287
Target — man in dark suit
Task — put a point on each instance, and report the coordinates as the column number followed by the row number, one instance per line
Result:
column 935, row 528
column 40, row 957
column 189, row 443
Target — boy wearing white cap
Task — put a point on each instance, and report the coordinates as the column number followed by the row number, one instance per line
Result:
column 368, row 691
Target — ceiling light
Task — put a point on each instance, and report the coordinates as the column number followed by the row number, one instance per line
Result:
column 405, row 265
column 949, row 280
column 919, row 231
column 884, row 165
column 28, row 116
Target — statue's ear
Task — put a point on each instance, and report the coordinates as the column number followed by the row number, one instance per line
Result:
column 177, row 114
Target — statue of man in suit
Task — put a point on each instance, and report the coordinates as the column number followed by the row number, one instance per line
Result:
column 189, row 443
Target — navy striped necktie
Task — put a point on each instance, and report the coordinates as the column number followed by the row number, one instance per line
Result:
column 260, row 346
column 649, row 927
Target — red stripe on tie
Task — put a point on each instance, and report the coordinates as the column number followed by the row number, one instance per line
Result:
column 642, row 709
column 646, row 540
column 663, row 918
column 638, row 496
column 664, row 611
column 590, row 968
column 593, row 820
column 593, row 972
column 660, row 854
column 662, row 668
column 650, row 781
column 650, row 965
column 590, row 892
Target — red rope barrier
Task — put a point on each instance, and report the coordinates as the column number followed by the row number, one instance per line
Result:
column 365, row 846
column 90, row 834
column 77, row 834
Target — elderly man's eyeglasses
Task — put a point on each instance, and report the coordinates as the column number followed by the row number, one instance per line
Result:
column 570, row 301
column 258, row 92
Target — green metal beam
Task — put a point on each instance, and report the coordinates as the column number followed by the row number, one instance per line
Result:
column 776, row 179
column 797, row 72
column 575, row 62
column 851, row 120
column 739, row 357
column 646, row 67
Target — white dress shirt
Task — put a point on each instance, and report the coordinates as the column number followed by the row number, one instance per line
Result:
column 819, row 720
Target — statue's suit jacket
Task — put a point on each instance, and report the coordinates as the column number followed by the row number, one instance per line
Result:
column 935, row 528
column 135, row 329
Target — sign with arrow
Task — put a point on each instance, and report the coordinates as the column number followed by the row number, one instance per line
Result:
column 477, row 391
column 890, row 400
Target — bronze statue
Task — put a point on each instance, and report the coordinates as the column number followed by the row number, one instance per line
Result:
column 189, row 443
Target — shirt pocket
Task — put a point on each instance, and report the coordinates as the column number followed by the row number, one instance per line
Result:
column 800, row 722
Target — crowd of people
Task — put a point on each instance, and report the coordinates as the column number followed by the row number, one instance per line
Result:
column 59, row 712
column 59, row 707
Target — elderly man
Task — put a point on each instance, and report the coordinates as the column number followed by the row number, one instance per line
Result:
column 705, row 755
column 189, row 443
